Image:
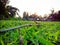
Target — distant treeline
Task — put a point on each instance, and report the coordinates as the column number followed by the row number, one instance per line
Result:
column 54, row 16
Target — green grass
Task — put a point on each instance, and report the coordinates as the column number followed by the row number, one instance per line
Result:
column 48, row 33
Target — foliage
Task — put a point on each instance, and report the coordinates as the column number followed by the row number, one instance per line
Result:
column 7, row 11
column 3, row 11
column 12, row 11
column 54, row 16
column 34, row 16
column 25, row 15
column 48, row 33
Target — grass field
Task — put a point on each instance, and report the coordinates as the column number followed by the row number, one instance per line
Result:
column 46, row 33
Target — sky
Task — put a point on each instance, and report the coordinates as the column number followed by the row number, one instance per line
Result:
column 40, row 7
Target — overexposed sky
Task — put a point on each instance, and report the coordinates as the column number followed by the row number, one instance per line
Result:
column 40, row 7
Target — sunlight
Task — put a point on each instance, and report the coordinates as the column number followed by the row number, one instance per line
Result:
column 41, row 7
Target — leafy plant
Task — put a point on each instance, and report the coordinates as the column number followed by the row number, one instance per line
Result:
column 48, row 33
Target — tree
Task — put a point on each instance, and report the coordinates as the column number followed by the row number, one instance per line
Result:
column 12, row 11
column 7, row 11
column 55, row 16
column 52, row 11
column 35, row 17
column 45, row 17
column 3, row 11
column 25, row 15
